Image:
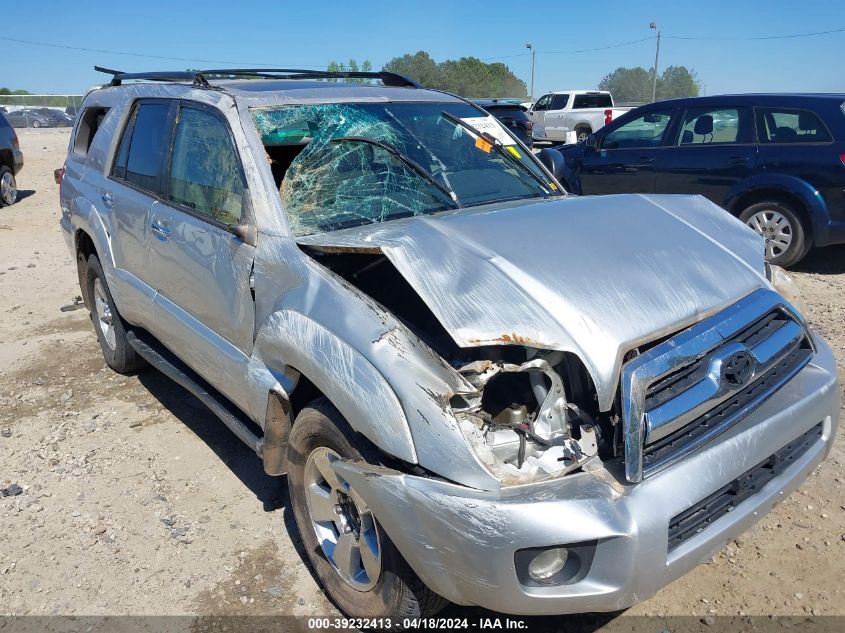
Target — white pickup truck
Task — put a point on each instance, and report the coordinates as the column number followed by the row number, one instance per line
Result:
column 557, row 115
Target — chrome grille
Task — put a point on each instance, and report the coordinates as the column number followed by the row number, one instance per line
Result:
column 685, row 391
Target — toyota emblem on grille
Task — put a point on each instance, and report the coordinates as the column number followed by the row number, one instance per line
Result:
column 738, row 369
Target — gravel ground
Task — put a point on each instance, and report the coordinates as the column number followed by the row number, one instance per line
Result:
column 135, row 500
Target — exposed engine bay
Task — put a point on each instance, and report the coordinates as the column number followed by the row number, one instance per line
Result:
column 532, row 413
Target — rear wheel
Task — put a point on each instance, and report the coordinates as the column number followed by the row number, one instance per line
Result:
column 359, row 567
column 110, row 328
column 782, row 229
column 8, row 187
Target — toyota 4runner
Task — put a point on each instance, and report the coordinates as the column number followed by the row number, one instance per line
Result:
column 481, row 389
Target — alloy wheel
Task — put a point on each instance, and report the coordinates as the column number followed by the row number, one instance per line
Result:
column 104, row 314
column 344, row 525
column 8, row 188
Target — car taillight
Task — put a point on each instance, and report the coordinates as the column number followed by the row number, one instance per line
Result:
column 529, row 125
column 842, row 158
column 608, row 116
column 15, row 143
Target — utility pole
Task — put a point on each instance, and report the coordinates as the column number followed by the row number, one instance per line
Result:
column 533, row 54
column 653, row 25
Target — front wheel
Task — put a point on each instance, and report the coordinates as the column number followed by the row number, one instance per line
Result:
column 361, row 570
column 8, row 187
column 783, row 231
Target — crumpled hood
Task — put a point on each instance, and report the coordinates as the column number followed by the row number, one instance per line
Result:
column 596, row 276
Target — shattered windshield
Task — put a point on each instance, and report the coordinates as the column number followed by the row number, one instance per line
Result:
column 342, row 165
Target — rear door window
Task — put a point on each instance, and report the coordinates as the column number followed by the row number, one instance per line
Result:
column 715, row 126
column 592, row 101
column 559, row 102
column 205, row 172
column 142, row 147
column 782, row 125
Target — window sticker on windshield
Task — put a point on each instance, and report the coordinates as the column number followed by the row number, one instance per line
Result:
column 490, row 125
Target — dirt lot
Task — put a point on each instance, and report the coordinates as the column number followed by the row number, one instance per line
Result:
column 137, row 501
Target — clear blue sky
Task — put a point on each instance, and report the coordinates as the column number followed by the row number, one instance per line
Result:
column 311, row 34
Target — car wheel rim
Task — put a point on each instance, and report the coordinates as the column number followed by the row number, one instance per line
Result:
column 344, row 525
column 775, row 229
column 8, row 188
column 104, row 314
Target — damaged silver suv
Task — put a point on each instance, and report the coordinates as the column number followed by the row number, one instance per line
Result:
column 482, row 390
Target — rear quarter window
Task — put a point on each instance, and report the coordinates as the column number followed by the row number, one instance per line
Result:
column 790, row 125
column 86, row 129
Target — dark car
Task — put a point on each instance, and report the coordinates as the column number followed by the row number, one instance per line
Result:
column 11, row 162
column 512, row 116
column 59, row 117
column 28, row 117
column 775, row 161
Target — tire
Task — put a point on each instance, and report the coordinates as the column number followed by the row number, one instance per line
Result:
column 36, row 123
column 783, row 229
column 582, row 132
column 8, row 187
column 393, row 590
column 110, row 328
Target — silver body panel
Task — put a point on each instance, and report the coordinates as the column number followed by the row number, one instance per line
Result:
column 594, row 276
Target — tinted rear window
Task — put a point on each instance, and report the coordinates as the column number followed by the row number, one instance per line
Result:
column 783, row 125
column 515, row 112
column 142, row 148
column 593, row 101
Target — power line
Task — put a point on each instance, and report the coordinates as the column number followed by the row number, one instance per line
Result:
column 764, row 37
column 599, row 48
column 147, row 56
column 583, row 50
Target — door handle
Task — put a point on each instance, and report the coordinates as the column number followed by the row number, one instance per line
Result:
column 160, row 229
column 646, row 159
column 108, row 199
column 738, row 160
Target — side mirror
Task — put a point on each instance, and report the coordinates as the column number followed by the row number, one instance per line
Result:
column 245, row 232
column 592, row 141
column 245, row 229
column 551, row 160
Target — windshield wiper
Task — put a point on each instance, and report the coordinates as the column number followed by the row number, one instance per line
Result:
column 418, row 169
column 497, row 144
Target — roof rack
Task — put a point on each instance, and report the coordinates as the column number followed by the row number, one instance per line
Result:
column 199, row 78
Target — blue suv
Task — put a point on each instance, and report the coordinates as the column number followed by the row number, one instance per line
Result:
column 775, row 161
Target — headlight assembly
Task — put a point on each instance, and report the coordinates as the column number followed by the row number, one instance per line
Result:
column 785, row 285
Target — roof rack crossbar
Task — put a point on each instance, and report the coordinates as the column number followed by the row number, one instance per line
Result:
column 199, row 77
column 118, row 76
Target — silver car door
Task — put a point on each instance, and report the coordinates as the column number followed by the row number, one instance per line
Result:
column 201, row 270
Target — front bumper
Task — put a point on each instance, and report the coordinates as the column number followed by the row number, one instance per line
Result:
column 17, row 157
column 462, row 541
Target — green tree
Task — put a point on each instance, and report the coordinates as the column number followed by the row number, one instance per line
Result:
column 352, row 66
column 467, row 76
column 677, row 81
column 628, row 85
column 634, row 85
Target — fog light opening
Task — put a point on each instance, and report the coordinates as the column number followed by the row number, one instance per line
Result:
column 547, row 563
